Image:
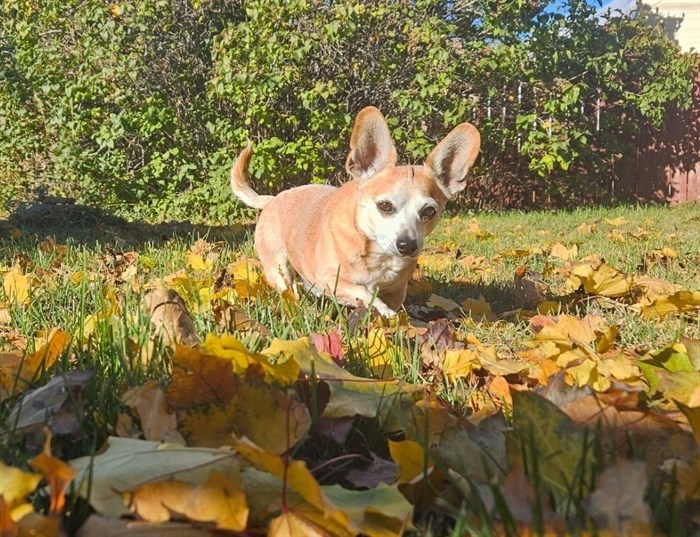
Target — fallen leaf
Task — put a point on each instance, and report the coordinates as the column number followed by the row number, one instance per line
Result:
column 16, row 485
column 17, row 371
column 528, row 286
column 170, row 318
column 618, row 500
column 693, row 415
column 350, row 395
column 680, row 302
column 289, row 524
column 100, row 526
column 459, row 363
column 474, row 228
column 439, row 302
column 479, row 310
column 500, row 390
column 199, row 378
column 382, row 511
column 560, row 251
column 57, row 473
column 619, row 221
column 270, row 417
column 296, row 476
column 521, row 498
column 17, row 286
column 330, row 343
column 125, row 464
column 376, row 472
column 548, row 435
column 57, row 405
column 218, row 500
column 601, row 280
column 158, row 421
column 413, row 461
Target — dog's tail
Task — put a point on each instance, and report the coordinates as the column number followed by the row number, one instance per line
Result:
column 239, row 181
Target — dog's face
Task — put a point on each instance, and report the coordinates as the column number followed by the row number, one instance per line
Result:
column 398, row 207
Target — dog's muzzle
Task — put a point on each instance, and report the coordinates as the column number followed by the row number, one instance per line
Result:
column 406, row 246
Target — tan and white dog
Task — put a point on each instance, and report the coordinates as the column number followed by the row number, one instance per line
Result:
column 358, row 242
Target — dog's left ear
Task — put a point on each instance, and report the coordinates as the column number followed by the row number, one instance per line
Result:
column 371, row 146
column 452, row 158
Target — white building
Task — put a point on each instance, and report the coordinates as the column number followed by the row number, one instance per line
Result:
column 682, row 21
column 681, row 18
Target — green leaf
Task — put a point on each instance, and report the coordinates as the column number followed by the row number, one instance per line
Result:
column 552, row 444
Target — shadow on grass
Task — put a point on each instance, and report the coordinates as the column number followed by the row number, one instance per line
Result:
column 88, row 226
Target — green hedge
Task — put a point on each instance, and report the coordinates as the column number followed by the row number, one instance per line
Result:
column 141, row 106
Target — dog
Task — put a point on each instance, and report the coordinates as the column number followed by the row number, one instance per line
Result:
column 359, row 242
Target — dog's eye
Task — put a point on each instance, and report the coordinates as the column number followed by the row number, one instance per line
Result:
column 428, row 213
column 385, row 207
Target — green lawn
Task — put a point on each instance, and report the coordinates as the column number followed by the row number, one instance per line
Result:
column 86, row 274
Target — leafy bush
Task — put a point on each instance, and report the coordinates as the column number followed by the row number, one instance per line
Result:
column 142, row 106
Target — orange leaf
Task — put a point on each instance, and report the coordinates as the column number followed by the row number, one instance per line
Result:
column 16, row 371
column 8, row 528
column 58, row 474
column 200, row 378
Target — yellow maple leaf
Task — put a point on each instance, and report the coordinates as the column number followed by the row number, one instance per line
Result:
column 284, row 372
column 562, row 252
column 276, row 421
column 619, row 221
column 17, row 286
column 380, row 353
column 15, row 486
column 198, row 262
column 437, row 262
column 679, row 302
column 474, row 228
column 413, row 461
column 289, row 524
column 459, row 363
column 296, row 476
column 437, row 301
column 602, row 280
column 479, row 309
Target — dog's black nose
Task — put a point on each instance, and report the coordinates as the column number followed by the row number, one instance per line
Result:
column 406, row 246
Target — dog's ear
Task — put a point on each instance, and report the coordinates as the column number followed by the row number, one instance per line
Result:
column 452, row 158
column 371, row 147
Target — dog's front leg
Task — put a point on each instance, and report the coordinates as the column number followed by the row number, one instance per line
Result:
column 353, row 295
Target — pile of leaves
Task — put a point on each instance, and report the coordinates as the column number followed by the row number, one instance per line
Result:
column 373, row 426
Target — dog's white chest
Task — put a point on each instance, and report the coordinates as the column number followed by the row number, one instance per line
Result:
column 385, row 270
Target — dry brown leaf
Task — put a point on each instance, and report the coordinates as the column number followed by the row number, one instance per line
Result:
column 529, row 287
column 618, row 501
column 158, row 421
column 170, row 318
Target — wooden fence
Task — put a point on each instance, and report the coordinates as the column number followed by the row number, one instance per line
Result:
column 667, row 165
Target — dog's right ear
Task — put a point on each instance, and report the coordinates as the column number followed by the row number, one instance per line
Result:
column 371, row 147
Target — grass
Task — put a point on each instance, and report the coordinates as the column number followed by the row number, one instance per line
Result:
column 79, row 275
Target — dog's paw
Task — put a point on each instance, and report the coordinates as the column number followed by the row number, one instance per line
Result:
column 382, row 309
